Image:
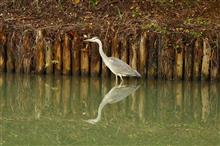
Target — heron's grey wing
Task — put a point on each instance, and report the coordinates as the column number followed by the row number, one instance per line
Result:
column 122, row 68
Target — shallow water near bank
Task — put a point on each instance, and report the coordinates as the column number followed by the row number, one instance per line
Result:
column 64, row 110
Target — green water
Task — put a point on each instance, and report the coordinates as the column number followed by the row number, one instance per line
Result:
column 62, row 110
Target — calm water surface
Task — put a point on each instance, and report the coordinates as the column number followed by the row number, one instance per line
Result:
column 62, row 110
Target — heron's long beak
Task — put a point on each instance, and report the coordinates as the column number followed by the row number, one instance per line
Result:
column 87, row 40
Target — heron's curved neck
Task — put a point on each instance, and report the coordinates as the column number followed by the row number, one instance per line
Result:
column 101, row 50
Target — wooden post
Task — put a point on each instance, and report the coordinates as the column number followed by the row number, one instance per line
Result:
column 84, row 56
column 165, row 57
column 133, row 56
column 75, row 52
column 66, row 58
column 214, row 62
column 2, row 52
column 152, row 55
column 206, row 59
column 188, row 72
column 49, row 57
column 57, row 54
column 143, row 54
column 198, row 53
column 95, row 66
column 115, row 47
column 10, row 65
column 39, row 54
column 19, row 52
column 179, row 54
column 28, row 49
column 124, row 48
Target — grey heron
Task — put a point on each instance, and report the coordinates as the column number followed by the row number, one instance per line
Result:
column 116, row 94
column 117, row 66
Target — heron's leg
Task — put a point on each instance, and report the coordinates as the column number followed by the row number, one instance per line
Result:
column 116, row 79
column 121, row 78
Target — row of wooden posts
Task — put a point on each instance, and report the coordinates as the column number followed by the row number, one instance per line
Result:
column 154, row 55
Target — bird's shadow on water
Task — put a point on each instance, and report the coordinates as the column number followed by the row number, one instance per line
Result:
column 117, row 93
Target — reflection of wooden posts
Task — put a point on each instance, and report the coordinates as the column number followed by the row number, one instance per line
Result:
column 142, row 102
column 95, row 91
column 65, row 93
column 187, row 102
column 27, row 47
column 57, row 92
column 66, row 59
column 107, row 51
column 152, row 55
column 57, row 54
column 143, row 54
column 84, row 89
column 2, row 52
column 74, row 94
column 196, row 102
column 198, row 53
column 179, row 95
column 84, row 56
column 39, row 54
column 206, row 59
column 205, row 101
column 49, row 57
column 214, row 97
column 215, row 61
column 10, row 65
column 165, row 58
column 179, row 53
column 75, row 58
column 188, row 68
column 95, row 66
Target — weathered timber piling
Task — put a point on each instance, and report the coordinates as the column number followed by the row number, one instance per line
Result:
column 154, row 55
column 95, row 62
column 206, row 59
column 133, row 52
column 165, row 58
column 28, row 49
column 197, row 62
column 152, row 45
column 2, row 52
column 66, row 56
column 49, row 57
column 115, row 46
column 19, row 51
column 179, row 55
column 57, row 54
column 10, row 63
column 75, row 54
column 188, row 58
column 84, row 59
column 143, row 54
column 214, row 62
column 39, row 52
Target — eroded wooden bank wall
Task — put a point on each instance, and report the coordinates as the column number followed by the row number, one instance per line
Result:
column 157, row 56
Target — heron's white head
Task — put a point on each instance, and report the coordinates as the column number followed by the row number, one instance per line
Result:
column 94, row 39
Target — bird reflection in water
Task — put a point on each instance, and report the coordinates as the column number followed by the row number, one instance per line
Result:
column 116, row 94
